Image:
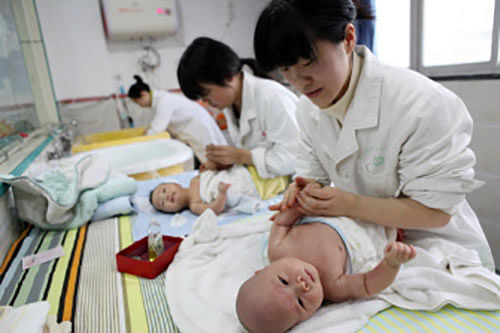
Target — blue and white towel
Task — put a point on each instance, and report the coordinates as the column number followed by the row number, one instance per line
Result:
column 65, row 193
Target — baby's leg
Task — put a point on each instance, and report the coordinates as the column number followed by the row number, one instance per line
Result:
column 287, row 217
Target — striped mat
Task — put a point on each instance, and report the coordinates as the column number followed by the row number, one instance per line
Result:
column 84, row 287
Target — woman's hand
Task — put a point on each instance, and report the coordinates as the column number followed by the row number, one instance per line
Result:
column 325, row 201
column 228, row 155
column 290, row 195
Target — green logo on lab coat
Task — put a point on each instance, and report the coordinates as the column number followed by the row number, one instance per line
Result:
column 378, row 160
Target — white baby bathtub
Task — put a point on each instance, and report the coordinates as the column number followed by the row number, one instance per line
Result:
column 148, row 159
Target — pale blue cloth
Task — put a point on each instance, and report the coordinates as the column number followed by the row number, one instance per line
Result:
column 113, row 207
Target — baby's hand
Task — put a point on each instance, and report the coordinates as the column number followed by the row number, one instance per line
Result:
column 223, row 187
column 397, row 253
column 208, row 165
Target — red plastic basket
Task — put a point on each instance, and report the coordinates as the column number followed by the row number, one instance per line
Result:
column 135, row 260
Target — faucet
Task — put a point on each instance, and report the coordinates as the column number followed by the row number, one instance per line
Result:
column 63, row 140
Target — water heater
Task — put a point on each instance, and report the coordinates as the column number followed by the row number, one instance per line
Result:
column 134, row 19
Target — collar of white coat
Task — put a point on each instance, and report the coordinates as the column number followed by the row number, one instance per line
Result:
column 155, row 97
column 248, row 110
column 363, row 112
column 339, row 109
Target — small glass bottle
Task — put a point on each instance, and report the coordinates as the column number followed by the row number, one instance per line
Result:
column 155, row 239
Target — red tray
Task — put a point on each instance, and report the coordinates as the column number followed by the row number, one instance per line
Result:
column 135, row 260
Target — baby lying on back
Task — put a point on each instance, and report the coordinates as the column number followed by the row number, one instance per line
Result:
column 318, row 258
column 219, row 190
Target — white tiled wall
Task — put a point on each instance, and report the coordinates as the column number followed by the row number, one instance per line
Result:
column 483, row 100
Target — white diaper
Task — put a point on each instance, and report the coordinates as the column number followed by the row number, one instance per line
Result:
column 364, row 242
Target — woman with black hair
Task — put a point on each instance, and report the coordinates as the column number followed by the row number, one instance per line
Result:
column 393, row 142
column 260, row 113
column 185, row 120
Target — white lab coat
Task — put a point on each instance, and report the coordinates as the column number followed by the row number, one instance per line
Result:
column 186, row 121
column 267, row 125
column 403, row 134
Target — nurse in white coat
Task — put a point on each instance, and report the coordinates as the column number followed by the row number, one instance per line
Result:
column 260, row 113
column 184, row 119
column 394, row 143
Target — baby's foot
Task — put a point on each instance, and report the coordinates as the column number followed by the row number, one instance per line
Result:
column 397, row 253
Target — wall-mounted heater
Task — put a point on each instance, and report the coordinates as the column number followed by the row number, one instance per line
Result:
column 135, row 19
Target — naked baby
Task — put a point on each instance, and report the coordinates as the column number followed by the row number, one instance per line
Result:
column 316, row 259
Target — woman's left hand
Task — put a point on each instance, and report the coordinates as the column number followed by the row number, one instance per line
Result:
column 325, row 201
column 226, row 154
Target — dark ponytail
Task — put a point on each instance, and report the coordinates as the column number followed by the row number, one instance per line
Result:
column 288, row 29
column 135, row 90
column 209, row 61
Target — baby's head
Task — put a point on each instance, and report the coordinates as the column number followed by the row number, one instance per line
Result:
column 169, row 197
column 279, row 296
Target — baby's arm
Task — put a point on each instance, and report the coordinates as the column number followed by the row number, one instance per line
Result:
column 370, row 283
column 217, row 205
column 282, row 223
column 287, row 217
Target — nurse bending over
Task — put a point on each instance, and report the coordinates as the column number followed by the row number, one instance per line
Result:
column 184, row 119
column 393, row 142
column 260, row 113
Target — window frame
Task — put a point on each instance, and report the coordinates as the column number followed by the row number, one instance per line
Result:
column 490, row 68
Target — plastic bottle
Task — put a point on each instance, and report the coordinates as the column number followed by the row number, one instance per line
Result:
column 155, row 239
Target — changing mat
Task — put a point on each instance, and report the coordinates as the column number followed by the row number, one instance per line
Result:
column 211, row 264
column 179, row 224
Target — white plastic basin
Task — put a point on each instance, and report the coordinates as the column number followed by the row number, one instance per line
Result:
column 145, row 156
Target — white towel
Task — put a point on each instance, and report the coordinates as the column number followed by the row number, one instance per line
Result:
column 444, row 272
column 32, row 317
column 203, row 280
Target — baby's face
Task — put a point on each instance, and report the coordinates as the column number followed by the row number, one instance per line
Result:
column 167, row 197
column 290, row 291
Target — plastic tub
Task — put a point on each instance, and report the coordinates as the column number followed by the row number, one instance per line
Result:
column 148, row 159
column 114, row 138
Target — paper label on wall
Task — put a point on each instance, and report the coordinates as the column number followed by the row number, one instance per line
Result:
column 40, row 258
